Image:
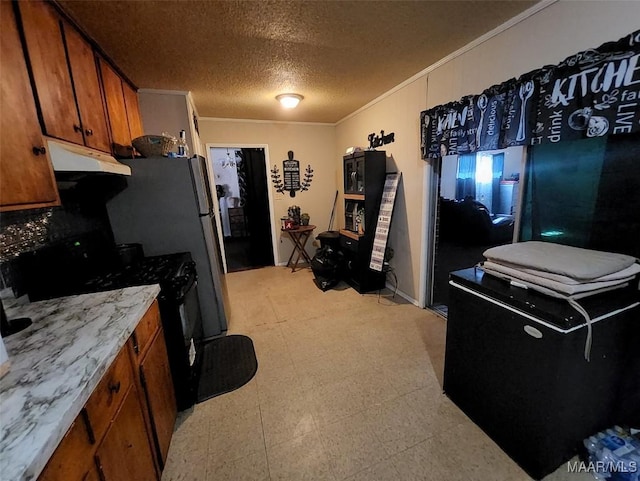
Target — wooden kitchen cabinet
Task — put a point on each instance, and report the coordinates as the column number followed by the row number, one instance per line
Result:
column 72, row 460
column 133, row 110
column 48, row 61
column 26, row 175
column 154, row 376
column 107, row 397
column 66, row 77
column 125, row 452
column 82, row 62
column 92, row 474
column 125, row 428
column 125, row 123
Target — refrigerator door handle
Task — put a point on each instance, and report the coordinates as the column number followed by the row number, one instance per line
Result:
column 201, row 185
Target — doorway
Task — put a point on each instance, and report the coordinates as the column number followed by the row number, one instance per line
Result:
column 477, row 207
column 241, row 180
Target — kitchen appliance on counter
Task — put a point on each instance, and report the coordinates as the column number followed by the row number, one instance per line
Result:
column 515, row 364
column 90, row 263
column 168, row 206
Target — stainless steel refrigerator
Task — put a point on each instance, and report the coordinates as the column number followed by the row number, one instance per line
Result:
column 167, row 206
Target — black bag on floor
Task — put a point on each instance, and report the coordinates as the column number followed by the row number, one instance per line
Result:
column 326, row 266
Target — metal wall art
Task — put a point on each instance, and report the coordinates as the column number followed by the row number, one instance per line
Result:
column 382, row 139
column 291, row 171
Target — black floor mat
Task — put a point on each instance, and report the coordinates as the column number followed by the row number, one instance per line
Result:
column 227, row 363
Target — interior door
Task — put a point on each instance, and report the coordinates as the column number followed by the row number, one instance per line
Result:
column 257, row 207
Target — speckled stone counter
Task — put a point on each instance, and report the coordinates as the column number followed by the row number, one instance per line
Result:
column 56, row 363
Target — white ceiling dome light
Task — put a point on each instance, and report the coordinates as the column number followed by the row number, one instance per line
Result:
column 289, row 101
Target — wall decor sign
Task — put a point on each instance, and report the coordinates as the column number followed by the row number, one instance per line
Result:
column 593, row 93
column 384, row 221
column 290, row 181
column 380, row 140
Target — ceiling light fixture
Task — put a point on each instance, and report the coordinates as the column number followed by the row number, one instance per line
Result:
column 289, row 101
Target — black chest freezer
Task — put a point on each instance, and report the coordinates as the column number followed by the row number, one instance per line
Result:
column 515, row 364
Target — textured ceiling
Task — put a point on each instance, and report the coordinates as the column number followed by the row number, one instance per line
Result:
column 236, row 56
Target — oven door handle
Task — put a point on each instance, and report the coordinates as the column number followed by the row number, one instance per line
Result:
column 182, row 292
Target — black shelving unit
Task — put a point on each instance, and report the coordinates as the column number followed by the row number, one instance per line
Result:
column 364, row 176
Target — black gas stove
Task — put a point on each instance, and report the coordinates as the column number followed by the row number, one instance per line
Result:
column 91, row 263
column 173, row 272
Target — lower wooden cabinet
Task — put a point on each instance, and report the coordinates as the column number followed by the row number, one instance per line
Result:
column 125, row 428
column 92, row 474
column 155, row 376
column 154, row 379
column 125, row 453
column 102, row 406
column 73, row 458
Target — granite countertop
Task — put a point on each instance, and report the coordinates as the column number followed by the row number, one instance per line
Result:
column 56, row 363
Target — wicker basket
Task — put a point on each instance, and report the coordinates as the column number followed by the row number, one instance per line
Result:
column 154, row 145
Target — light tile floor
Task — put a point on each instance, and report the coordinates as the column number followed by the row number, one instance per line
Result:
column 348, row 388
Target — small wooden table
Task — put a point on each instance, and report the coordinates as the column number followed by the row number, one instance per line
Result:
column 299, row 236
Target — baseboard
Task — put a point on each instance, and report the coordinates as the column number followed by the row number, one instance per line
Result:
column 402, row 294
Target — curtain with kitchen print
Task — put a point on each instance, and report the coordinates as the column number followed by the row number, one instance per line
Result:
column 593, row 93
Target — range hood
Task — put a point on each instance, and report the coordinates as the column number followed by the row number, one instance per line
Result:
column 72, row 158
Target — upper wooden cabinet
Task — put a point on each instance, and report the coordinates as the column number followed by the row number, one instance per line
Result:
column 48, row 59
column 73, row 92
column 133, row 110
column 26, row 175
column 86, row 81
column 122, row 108
column 65, row 76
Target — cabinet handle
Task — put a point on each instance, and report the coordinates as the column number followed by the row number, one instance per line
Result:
column 115, row 388
column 87, row 424
column 134, row 339
column 88, row 132
column 77, row 128
column 99, row 465
column 39, row 150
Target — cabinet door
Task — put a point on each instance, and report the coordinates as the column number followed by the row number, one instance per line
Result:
column 87, row 88
column 146, row 330
column 133, row 111
column 26, row 176
column 125, row 452
column 72, row 458
column 155, row 376
column 48, row 59
column 116, row 109
column 108, row 394
column 92, row 475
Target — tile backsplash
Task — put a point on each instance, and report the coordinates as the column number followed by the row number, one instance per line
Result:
column 23, row 231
